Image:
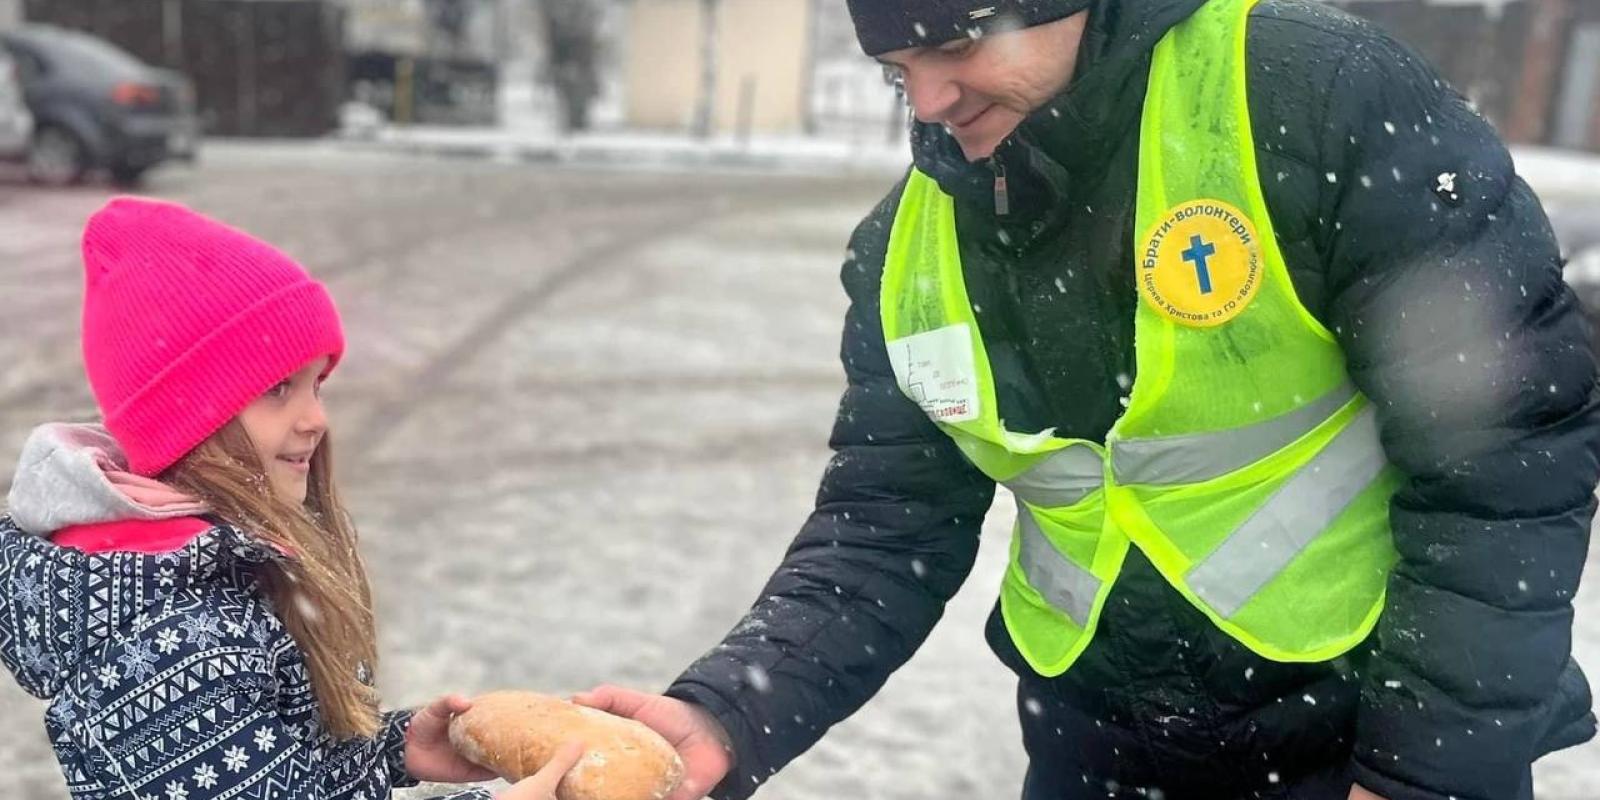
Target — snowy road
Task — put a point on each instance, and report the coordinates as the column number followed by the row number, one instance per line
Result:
column 582, row 415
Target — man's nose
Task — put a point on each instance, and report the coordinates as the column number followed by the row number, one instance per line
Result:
column 931, row 93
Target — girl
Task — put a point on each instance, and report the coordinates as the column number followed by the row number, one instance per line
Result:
column 182, row 584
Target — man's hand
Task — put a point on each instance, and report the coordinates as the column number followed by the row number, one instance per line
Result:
column 1358, row 793
column 691, row 730
column 429, row 754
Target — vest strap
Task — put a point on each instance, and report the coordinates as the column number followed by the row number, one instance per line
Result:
column 1192, row 458
column 1066, row 586
column 1063, row 479
column 1073, row 473
column 1302, row 509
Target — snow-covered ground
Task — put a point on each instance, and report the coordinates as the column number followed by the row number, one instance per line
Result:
column 1559, row 174
column 582, row 415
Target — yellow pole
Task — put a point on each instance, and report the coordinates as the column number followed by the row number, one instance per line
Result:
column 403, row 90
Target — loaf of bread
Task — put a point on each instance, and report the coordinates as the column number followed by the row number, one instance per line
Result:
column 516, row 733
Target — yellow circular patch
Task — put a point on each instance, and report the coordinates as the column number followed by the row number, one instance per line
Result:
column 1201, row 264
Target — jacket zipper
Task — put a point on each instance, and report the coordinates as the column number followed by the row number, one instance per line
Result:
column 1002, row 196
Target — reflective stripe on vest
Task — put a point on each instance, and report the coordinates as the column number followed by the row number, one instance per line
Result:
column 1256, row 551
column 1064, row 478
column 1173, row 460
column 1073, row 473
column 1301, row 509
column 1060, row 582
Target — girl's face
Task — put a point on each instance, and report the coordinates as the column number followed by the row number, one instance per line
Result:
column 286, row 424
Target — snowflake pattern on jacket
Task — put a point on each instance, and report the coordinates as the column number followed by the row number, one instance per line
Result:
column 169, row 677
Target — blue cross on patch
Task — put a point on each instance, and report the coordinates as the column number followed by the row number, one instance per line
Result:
column 1199, row 250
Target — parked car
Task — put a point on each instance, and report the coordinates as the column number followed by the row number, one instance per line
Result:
column 97, row 107
column 16, row 122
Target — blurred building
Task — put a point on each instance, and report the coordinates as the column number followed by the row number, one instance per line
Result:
column 1532, row 67
column 850, row 99
column 427, row 61
column 720, row 66
column 259, row 68
column 10, row 12
column 466, row 29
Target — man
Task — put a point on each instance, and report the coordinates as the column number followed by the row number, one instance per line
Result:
column 1302, row 496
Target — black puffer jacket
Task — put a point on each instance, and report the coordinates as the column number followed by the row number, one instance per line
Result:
column 1408, row 234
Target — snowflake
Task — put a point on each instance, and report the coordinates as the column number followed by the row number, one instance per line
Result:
column 29, row 592
column 175, row 791
column 167, row 576
column 265, row 739
column 235, row 759
column 62, row 713
column 138, row 660
column 34, row 561
column 37, row 659
column 108, row 676
column 236, row 629
column 167, row 641
column 205, row 776
column 32, row 627
column 203, row 630
column 261, row 632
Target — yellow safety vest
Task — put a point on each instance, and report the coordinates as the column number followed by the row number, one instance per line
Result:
column 1247, row 467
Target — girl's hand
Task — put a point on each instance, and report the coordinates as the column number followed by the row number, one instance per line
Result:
column 429, row 754
column 542, row 784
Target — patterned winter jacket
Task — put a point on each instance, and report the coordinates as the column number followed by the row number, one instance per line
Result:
column 168, row 676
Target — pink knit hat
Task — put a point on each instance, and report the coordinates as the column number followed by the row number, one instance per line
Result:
column 187, row 321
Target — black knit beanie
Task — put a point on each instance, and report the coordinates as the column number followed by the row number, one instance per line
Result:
column 884, row 25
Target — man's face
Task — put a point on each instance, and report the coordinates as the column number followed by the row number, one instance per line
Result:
column 981, row 89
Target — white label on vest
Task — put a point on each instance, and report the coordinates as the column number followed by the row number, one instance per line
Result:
column 935, row 369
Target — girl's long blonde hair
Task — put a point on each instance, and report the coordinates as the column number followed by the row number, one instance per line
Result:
column 320, row 592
